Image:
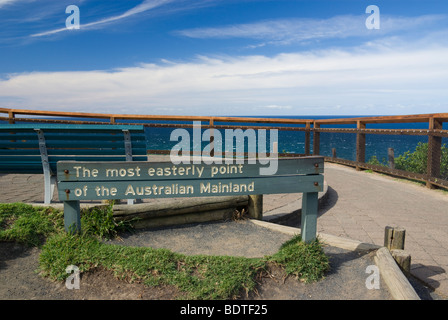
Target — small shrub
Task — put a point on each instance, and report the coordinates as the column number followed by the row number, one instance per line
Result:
column 100, row 221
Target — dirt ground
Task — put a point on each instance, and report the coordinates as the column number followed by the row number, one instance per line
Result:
column 345, row 281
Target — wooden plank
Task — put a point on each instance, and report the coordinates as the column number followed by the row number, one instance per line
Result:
column 98, row 190
column 94, row 152
column 93, row 144
column 20, row 144
column 14, row 135
column 70, row 127
column 377, row 119
column 152, row 117
column 87, row 135
column 385, row 119
column 20, row 152
column 78, row 171
column 398, row 284
column 193, row 205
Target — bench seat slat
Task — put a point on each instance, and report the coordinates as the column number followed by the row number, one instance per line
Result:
column 55, row 152
column 20, row 144
column 65, row 137
column 23, row 127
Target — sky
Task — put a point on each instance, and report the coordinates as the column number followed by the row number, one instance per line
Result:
column 225, row 57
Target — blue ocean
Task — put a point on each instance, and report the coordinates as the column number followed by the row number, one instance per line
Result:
column 344, row 143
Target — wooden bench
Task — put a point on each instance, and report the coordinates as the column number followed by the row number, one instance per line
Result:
column 36, row 148
column 122, row 180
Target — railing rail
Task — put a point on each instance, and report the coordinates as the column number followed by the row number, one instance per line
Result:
column 312, row 128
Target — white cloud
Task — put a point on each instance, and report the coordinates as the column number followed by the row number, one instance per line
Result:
column 376, row 79
column 6, row 2
column 144, row 6
column 275, row 106
column 287, row 31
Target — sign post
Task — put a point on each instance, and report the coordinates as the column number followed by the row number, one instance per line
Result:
column 78, row 181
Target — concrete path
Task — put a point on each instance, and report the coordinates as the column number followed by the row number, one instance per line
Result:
column 358, row 205
column 361, row 204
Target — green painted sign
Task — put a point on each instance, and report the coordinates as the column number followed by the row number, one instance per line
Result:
column 78, row 181
column 137, row 170
column 139, row 180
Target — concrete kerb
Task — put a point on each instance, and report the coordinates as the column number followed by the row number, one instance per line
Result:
column 397, row 283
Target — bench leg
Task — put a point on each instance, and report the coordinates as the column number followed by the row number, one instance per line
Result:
column 309, row 216
column 49, row 185
column 72, row 216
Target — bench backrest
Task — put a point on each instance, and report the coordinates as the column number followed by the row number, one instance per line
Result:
column 23, row 145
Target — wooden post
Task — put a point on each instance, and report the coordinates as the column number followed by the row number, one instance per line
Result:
column 11, row 117
column 360, row 144
column 394, row 241
column 307, row 138
column 316, row 140
column 403, row 259
column 391, row 158
column 309, row 216
column 72, row 216
column 434, row 152
column 255, row 206
column 394, row 238
column 212, row 138
column 333, row 153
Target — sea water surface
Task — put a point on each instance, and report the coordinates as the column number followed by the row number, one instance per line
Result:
column 294, row 141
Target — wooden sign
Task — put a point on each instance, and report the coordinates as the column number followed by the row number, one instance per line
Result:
column 138, row 180
column 78, row 181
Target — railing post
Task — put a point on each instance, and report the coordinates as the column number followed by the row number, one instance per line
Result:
column 333, row 153
column 212, row 137
column 11, row 117
column 434, row 152
column 391, row 157
column 360, row 144
column 307, row 138
column 316, row 139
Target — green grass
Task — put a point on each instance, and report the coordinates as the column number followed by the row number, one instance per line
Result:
column 27, row 224
column 196, row 277
column 308, row 262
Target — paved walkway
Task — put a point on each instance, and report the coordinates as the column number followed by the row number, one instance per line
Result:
column 359, row 205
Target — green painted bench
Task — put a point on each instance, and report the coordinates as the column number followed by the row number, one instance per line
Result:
column 36, row 148
column 80, row 181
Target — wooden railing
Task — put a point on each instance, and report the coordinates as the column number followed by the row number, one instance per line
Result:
column 312, row 128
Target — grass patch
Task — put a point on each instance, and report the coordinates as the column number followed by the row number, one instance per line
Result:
column 28, row 224
column 196, row 277
column 307, row 261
